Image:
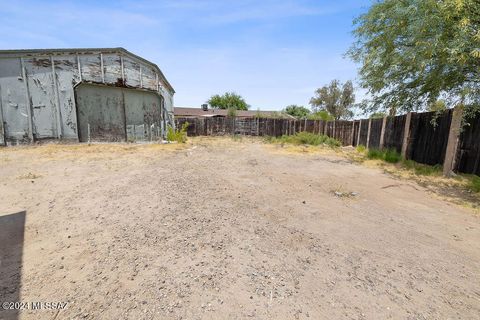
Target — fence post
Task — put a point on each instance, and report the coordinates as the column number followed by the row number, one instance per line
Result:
column 353, row 132
column 406, row 135
column 453, row 141
column 359, row 131
column 89, row 137
column 333, row 129
column 382, row 133
column 368, row 132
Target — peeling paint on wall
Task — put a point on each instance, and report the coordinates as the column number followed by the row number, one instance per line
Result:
column 37, row 88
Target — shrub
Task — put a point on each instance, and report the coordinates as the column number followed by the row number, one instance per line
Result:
column 179, row 136
column 389, row 155
column 422, row 169
column 375, row 154
column 361, row 148
column 475, row 184
column 392, row 156
column 306, row 138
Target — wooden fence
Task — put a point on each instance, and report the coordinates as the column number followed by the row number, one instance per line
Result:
column 422, row 137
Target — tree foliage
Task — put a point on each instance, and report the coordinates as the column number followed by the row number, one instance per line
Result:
column 321, row 115
column 413, row 52
column 297, row 111
column 229, row 100
column 336, row 98
column 378, row 115
column 437, row 106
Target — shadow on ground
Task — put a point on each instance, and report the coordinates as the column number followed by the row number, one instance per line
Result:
column 12, row 228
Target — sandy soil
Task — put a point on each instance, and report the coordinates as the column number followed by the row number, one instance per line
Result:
column 230, row 230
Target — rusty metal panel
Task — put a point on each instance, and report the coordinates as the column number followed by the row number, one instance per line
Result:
column 102, row 109
column 13, row 100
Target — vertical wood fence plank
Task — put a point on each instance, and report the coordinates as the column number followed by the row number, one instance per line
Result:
column 406, row 135
column 382, row 134
column 453, row 141
column 368, row 132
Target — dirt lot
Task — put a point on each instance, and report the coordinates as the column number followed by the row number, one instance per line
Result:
column 218, row 229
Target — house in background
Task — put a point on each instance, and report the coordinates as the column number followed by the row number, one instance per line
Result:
column 205, row 111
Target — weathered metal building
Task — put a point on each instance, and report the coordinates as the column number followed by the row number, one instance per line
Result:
column 99, row 94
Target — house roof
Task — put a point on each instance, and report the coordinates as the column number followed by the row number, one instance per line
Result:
column 119, row 50
column 199, row 112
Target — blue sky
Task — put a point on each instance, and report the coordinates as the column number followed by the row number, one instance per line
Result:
column 273, row 53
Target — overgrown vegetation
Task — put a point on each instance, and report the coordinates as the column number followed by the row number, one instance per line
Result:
column 392, row 156
column 474, row 184
column 422, row 169
column 177, row 135
column 306, row 138
column 361, row 148
column 321, row 115
column 388, row 155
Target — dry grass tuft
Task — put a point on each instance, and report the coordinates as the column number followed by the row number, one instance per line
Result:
column 29, row 176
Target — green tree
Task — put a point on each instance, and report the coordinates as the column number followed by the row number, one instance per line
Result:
column 336, row 98
column 321, row 115
column 229, row 100
column 438, row 106
column 297, row 111
column 414, row 51
column 377, row 115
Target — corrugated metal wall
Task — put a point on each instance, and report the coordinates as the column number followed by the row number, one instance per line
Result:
column 37, row 95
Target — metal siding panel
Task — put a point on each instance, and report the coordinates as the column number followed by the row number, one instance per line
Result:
column 134, row 113
column 103, row 108
column 131, row 71
column 142, row 109
column 2, row 131
column 149, row 78
column 91, row 67
column 67, row 76
column 42, row 96
column 70, row 69
column 12, row 96
column 112, row 68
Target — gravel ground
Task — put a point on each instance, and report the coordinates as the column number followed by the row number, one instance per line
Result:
column 218, row 229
